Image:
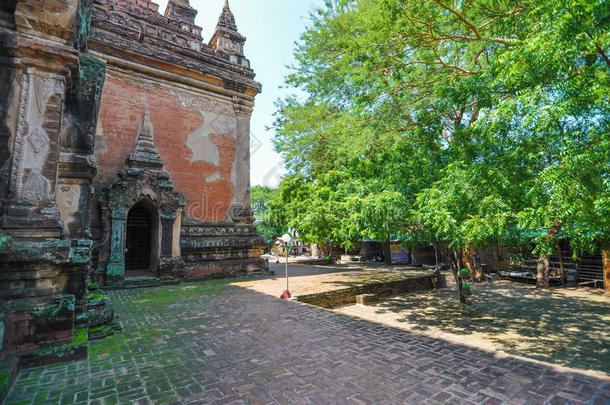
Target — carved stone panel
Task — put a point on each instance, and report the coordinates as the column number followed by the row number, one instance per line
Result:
column 38, row 139
column 36, row 187
column 35, row 167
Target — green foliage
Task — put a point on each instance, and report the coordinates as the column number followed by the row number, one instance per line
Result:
column 466, row 122
column 261, row 197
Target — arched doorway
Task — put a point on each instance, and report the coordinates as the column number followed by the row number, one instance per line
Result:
column 140, row 240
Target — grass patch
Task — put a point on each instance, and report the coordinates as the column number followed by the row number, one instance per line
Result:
column 96, row 298
column 80, row 337
column 4, row 381
column 169, row 295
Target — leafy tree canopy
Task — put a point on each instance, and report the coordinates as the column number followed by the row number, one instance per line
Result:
column 462, row 121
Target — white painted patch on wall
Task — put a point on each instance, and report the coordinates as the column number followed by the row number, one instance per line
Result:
column 213, row 177
column 199, row 142
column 101, row 147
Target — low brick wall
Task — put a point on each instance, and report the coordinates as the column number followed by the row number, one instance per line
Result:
column 347, row 296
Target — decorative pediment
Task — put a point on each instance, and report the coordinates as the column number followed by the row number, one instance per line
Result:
column 144, row 176
column 144, row 180
column 133, row 185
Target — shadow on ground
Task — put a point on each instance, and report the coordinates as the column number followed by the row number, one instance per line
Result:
column 571, row 329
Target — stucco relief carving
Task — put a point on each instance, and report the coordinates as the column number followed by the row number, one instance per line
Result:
column 202, row 103
column 36, row 187
column 226, row 44
column 75, row 136
column 17, row 173
column 38, row 139
column 130, row 78
column 43, row 89
column 32, row 143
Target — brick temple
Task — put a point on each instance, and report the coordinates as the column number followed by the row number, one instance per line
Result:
column 125, row 154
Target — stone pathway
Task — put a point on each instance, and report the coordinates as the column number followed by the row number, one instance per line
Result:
column 224, row 344
column 569, row 327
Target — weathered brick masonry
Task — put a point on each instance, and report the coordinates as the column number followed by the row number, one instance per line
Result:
column 49, row 96
column 200, row 98
column 124, row 151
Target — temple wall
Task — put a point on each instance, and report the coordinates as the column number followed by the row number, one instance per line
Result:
column 172, row 139
column 49, row 85
column 202, row 136
column 8, row 122
column 204, row 144
column 196, row 135
column 68, row 172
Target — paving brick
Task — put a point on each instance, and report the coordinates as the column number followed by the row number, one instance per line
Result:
column 253, row 348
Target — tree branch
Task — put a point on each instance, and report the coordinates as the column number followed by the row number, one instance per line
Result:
column 456, row 67
column 602, row 53
column 461, row 17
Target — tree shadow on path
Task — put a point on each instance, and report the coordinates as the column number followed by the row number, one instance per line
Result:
column 571, row 329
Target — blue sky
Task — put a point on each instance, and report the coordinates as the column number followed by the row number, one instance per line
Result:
column 271, row 28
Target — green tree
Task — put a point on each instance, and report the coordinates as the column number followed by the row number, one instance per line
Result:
column 489, row 118
column 261, row 198
column 560, row 78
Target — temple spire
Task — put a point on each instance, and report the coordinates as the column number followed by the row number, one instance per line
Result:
column 226, row 38
column 181, row 10
column 145, row 153
column 227, row 19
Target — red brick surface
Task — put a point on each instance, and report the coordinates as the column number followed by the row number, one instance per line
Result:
column 121, row 109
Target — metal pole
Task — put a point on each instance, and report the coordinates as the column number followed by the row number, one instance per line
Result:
column 287, row 289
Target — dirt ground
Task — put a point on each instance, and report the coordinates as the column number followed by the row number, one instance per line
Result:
column 308, row 279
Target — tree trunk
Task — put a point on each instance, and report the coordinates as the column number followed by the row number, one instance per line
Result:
column 456, row 265
column 387, row 252
column 606, row 253
column 544, row 262
column 542, row 279
column 477, row 268
column 561, row 268
column 436, row 253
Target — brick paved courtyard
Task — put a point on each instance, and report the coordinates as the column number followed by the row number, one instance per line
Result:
column 307, row 279
column 565, row 326
column 219, row 344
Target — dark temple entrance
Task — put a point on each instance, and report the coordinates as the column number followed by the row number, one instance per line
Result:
column 139, row 240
